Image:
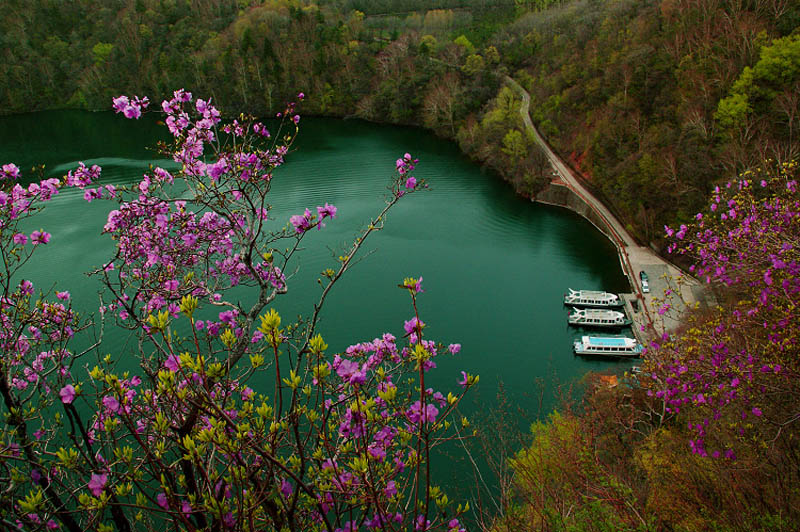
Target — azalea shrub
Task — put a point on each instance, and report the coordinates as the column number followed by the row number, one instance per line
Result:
column 231, row 418
column 733, row 370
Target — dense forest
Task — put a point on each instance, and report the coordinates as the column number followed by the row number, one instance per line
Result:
column 657, row 103
column 653, row 101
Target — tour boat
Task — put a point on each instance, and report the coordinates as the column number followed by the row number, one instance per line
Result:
column 591, row 317
column 614, row 346
column 592, row 298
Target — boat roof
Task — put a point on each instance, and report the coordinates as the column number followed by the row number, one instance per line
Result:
column 595, row 293
column 598, row 312
column 608, row 341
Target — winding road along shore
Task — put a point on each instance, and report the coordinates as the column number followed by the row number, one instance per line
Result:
column 633, row 257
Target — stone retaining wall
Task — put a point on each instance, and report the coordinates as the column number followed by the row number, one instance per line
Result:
column 561, row 195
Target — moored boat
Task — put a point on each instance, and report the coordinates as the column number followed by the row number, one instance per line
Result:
column 591, row 317
column 592, row 298
column 614, row 346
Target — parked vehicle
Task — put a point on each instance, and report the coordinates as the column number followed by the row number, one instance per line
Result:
column 645, row 282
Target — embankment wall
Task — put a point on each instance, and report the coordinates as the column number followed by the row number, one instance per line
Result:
column 562, row 196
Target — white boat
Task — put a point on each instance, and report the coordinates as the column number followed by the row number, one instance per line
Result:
column 614, row 346
column 592, row 298
column 593, row 317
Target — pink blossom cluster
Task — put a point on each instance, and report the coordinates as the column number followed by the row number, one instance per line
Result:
column 736, row 371
column 130, row 107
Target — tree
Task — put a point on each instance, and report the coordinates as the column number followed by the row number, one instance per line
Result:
column 101, row 51
column 195, row 438
column 514, row 145
column 464, row 43
column 473, row 65
column 441, row 102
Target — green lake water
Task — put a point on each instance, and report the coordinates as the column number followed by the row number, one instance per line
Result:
column 495, row 266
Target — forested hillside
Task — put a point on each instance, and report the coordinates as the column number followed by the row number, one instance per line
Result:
column 659, row 103
column 653, row 100
column 643, row 94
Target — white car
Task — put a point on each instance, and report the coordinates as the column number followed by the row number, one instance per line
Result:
column 645, row 282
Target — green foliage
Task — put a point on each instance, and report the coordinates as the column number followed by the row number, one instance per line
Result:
column 779, row 63
column 101, row 52
column 492, row 55
column 473, row 65
column 515, row 145
column 776, row 73
column 733, row 110
column 464, row 43
column 427, row 44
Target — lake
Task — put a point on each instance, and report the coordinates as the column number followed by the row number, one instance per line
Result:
column 495, row 266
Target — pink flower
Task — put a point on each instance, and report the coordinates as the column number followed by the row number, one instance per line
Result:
column 120, row 103
column 327, row 210
column 172, row 363
column 390, row 490
column 286, row 488
column 111, row 403
column 411, row 183
column 97, row 483
column 201, row 105
column 455, row 526
column 26, row 287
column 132, row 111
column 351, row 372
column 20, row 239
column 63, row 296
column 415, row 413
column 10, row 171
column 92, row 194
column 301, row 223
column 40, row 237
column 161, row 499
column 131, row 108
column 67, row 394
column 411, row 325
